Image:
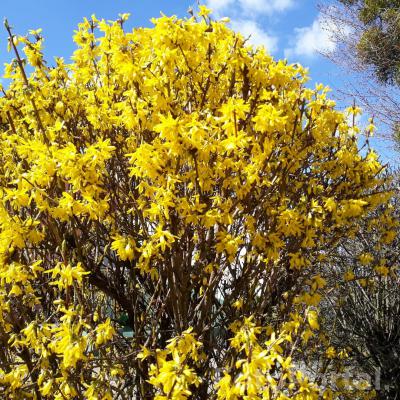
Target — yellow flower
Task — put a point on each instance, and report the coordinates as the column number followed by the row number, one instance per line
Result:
column 312, row 318
column 104, row 332
column 330, row 352
column 204, row 11
column 349, row 276
column 366, row 258
column 382, row 270
column 125, row 247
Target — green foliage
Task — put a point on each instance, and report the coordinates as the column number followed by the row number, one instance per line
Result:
column 378, row 46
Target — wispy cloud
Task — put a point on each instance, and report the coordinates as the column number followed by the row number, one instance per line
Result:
column 266, row 6
column 257, row 36
column 219, row 5
column 250, row 8
column 249, row 17
column 311, row 39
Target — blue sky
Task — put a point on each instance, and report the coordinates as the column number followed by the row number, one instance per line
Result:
column 290, row 29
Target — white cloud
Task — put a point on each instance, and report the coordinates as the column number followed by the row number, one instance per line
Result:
column 249, row 7
column 246, row 17
column 257, row 36
column 265, row 6
column 311, row 39
column 219, row 5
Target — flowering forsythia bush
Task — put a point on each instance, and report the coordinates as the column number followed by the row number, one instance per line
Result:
column 166, row 201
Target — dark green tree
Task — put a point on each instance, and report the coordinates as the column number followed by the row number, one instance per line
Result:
column 367, row 36
column 379, row 43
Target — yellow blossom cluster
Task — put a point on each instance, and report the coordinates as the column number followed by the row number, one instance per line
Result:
column 157, row 191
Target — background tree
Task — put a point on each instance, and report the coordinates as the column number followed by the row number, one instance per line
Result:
column 363, row 312
column 179, row 183
column 378, row 45
column 367, row 34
